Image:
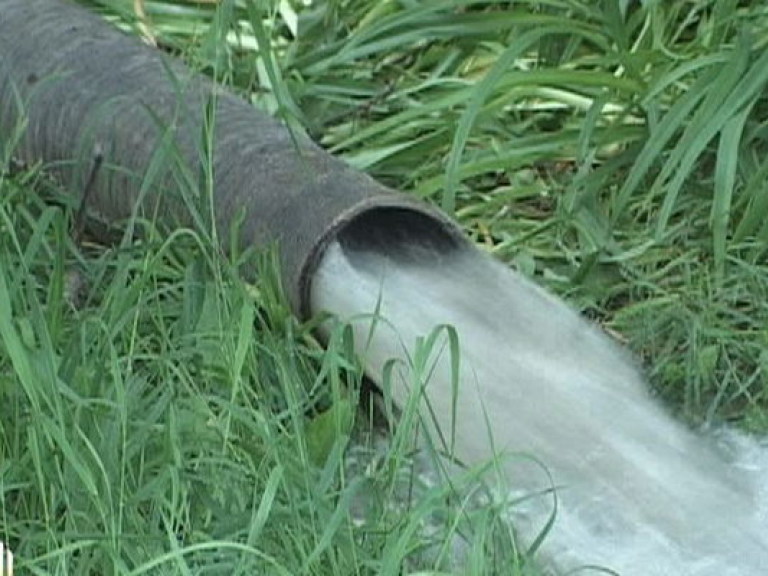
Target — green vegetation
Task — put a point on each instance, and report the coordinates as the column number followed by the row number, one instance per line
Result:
column 166, row 417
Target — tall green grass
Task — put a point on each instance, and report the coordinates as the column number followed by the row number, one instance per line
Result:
column 171, row 418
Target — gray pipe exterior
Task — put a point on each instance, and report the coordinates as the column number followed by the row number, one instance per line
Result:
column 82, row 90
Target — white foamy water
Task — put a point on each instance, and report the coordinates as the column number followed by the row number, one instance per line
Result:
column 637, row 492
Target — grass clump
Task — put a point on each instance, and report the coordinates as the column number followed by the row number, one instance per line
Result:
column 163, row 419
column 161, row 416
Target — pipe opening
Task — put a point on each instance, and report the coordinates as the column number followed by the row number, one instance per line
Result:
column 399, row 233
column 402, row 234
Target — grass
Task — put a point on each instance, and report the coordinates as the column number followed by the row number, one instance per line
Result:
column 172, row 419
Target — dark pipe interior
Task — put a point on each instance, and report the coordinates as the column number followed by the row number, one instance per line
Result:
column 390, row 227
column 402, row 234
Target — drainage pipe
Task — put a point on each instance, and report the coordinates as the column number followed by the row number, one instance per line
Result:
column 96, row 104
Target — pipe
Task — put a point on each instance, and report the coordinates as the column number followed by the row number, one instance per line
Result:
column 89, row 95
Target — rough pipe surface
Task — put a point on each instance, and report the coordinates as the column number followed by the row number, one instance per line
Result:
column 74, row 89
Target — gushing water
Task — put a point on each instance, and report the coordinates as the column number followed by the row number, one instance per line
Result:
column 637, row 492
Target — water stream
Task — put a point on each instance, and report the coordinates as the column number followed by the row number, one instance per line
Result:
column 637, row 491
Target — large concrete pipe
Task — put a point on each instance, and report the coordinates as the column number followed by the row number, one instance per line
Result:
column 86, row 93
